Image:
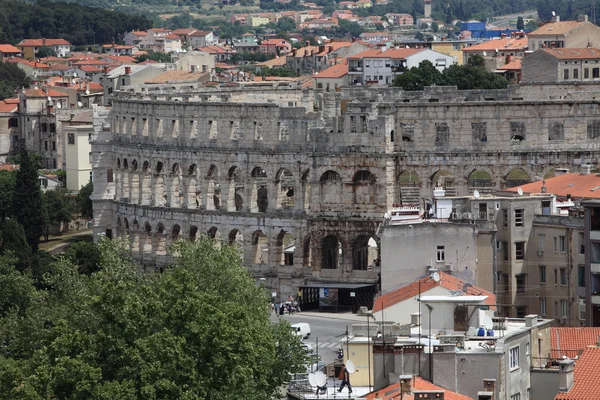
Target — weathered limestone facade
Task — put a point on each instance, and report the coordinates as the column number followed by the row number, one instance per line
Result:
column 269, row 166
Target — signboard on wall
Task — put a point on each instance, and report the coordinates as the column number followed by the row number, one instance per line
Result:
column 328, row 297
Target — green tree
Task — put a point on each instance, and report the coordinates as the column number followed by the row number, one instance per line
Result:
column 27, row 200
column 416, row 78
column 85, row 255
column 45, row 51
column 7, row 189
column 11, row 79
column 84, row 202
column 17, row 288
column 520, row 23
column 476, row 60
column 435, row 27
column 201, row 330
column 155, row 56
column 466, row 77
column 58, row 209
column 13, row 241
column 531, row 25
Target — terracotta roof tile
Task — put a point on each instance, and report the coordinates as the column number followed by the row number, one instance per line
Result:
column 274, row 62
column 500, row 44
column 32, row 64
column 513, row 65
column 570, row 54
column 586, row 384
column 394, row 53
column 42, row 42
column 447, row 281
column 577, row 185
column 556, row 28
column 335, row 71
column 8, row 48
column 177, row 77
column 9, row 105
column 44, row 93
column 392, row 392
column 568, row 341
column 184, row 31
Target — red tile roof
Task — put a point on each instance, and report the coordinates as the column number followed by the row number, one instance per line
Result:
column 392, row 392
column 172, row 37
column 9, row 105
column 568, row 341
column 335, row 71
column 8, row 48
column 42, row 42
column 90, row 62
column 90, row 69
column 32, row 64
column 8, row 167
column 500, row 44
column 557, row 28
column 577, row 185
column 447, row 281
column 184, row 31
column 513, row 65
column 586, row 384
column 394, row 53
column 200, row 33
column 574, row 53
column 44, row 93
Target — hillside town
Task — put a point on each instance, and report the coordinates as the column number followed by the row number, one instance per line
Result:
column 425, row 194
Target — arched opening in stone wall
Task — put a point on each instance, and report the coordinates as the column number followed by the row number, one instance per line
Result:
column 260, row 248
column 365, row 253
column 332, row 252
column 193, row 191
column 260, row 195
column 445, row 179
column 161, row 240
column 286, row 246
column 331, row 187
column 550, row 173
column 119, row 228
column 306, row 190
column 215, row 235
column 236, row 189
column 285, row 189
column 135, row 183
column 213, row 190
column 125, row 183
column 307, row 251
column 146, row 182
column 481, row 181
column 236, row 240
column 135, row 237
column 147, row 249
column 176, row 194
column 516, row 177
column 159, row 186
column 363, row 187
column 409, row 188
column 176, row 233
column 193, row 233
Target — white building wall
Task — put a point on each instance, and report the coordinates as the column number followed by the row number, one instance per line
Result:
column 401, row 312
column 440, row 60
column 77, row 154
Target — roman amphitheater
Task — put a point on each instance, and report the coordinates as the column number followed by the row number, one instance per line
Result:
column 300, row 179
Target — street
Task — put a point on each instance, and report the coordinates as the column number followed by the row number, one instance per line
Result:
column 326, row 329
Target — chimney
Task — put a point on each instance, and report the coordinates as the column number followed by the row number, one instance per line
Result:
column 329, row 49
column 294, row 51
column 105, row 70
column 429, row 394
column 405, row 383
column 321, row 49
column 127, row 70
column 586, row 169
column 531, row 320
column 44, row 42
column 565, row 375
column 307, row 43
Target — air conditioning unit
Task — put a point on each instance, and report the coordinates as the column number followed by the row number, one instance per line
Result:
column 540, row 252
column 447, row 267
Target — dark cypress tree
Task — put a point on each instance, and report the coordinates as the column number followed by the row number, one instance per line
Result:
column 27, row 200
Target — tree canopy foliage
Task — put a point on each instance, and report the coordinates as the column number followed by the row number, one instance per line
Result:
column 200, row 330
column 27, row 199
column 76, row 23
column 462, row 76
column 11, row 78
column 155, row 56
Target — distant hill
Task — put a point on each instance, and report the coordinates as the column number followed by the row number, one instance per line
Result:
column 79, row 24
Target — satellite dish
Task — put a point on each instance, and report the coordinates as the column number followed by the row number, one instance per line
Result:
column 407, row 47
column 350, row 366
column 488, row 323
column 75, row 74
column 553, row 14
column 311, row 380
column 58, row 105
column 436, row 276
column 72, row 81
column 320, row 378
column 520, row 191
column 49, row 98
column 87, row 91
column 485, row 53
column 79, row 104
column 476, row 194
column 466, row 286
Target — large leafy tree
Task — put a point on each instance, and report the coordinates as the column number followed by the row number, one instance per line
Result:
column 58, row 208
column 27, row 200
column 416, row 78
column 11, row 79
column 7, row 188
column 201, row 330
column 84, row 202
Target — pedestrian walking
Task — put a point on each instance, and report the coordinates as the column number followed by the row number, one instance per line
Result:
column 345, row 377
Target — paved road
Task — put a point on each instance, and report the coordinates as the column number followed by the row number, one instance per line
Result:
column 328, row 331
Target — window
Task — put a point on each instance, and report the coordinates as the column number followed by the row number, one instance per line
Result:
column 441, row 255
column 595, row 72
column 521, row 281
column 505, row 250
column 566, row 74
column 45, row 145
column 555, row 276
column 563, row 309
column 541, row 239
column 109, row 175
column 581, row 243
column 542, row 274
column 519, row 217
column 555, row 244
column 71, row 138
column 581, row 276
column 543, row 306
column 505, row 218
column 13, row 123
column 586, row 73
column 563, row 276
column 513, row 359
column 520, row 250
column 53, row 146
column 516, row 396
column 521, row 311
column 527, row 349
column 44, row 127
column 52, row 128
column 546, row 207
column 575, row 74
column 561, row 244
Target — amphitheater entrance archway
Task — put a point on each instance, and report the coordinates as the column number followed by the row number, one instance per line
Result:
column 332, row 252
column 284, row 181
column 481, row 181
column 286, row 246
column 260, row 196
column 260, row 248
column 516, row 177
column 365, row 253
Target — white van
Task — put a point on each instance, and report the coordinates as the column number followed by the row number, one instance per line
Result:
column 302, row 330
